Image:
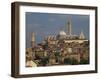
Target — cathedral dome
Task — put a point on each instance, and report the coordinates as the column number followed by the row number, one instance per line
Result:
column 62, row 33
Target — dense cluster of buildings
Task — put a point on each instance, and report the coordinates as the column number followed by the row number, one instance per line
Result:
column 61, row 49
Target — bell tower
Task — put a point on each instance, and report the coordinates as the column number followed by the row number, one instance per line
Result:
column 33, row 40
column 69, row 28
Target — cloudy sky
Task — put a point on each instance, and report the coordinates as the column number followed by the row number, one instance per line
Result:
column 44, row 24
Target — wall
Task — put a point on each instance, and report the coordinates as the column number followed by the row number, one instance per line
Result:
column 5, row 40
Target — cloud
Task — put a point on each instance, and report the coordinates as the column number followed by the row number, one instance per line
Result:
column 52, row 19
column 29, row 13
column 36, row 24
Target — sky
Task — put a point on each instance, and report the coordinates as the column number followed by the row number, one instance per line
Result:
column 44, row 24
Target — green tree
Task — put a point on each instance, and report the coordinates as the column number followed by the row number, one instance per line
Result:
column 67, row 61
column 84, row 61
column 74, row 61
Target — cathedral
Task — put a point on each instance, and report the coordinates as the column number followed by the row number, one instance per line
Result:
column 67, row 36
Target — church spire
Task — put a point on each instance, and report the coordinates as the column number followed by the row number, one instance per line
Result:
column 82, row 35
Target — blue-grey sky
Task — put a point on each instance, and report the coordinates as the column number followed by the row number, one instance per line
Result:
column 44, row 24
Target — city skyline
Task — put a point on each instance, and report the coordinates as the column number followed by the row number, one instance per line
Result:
column 44, row 24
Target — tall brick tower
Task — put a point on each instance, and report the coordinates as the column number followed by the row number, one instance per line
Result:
column 69, row 28
column 33, row 40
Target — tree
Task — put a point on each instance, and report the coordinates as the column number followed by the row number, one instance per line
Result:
column 74, row 61
column 67, row 61
column 84, row 61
